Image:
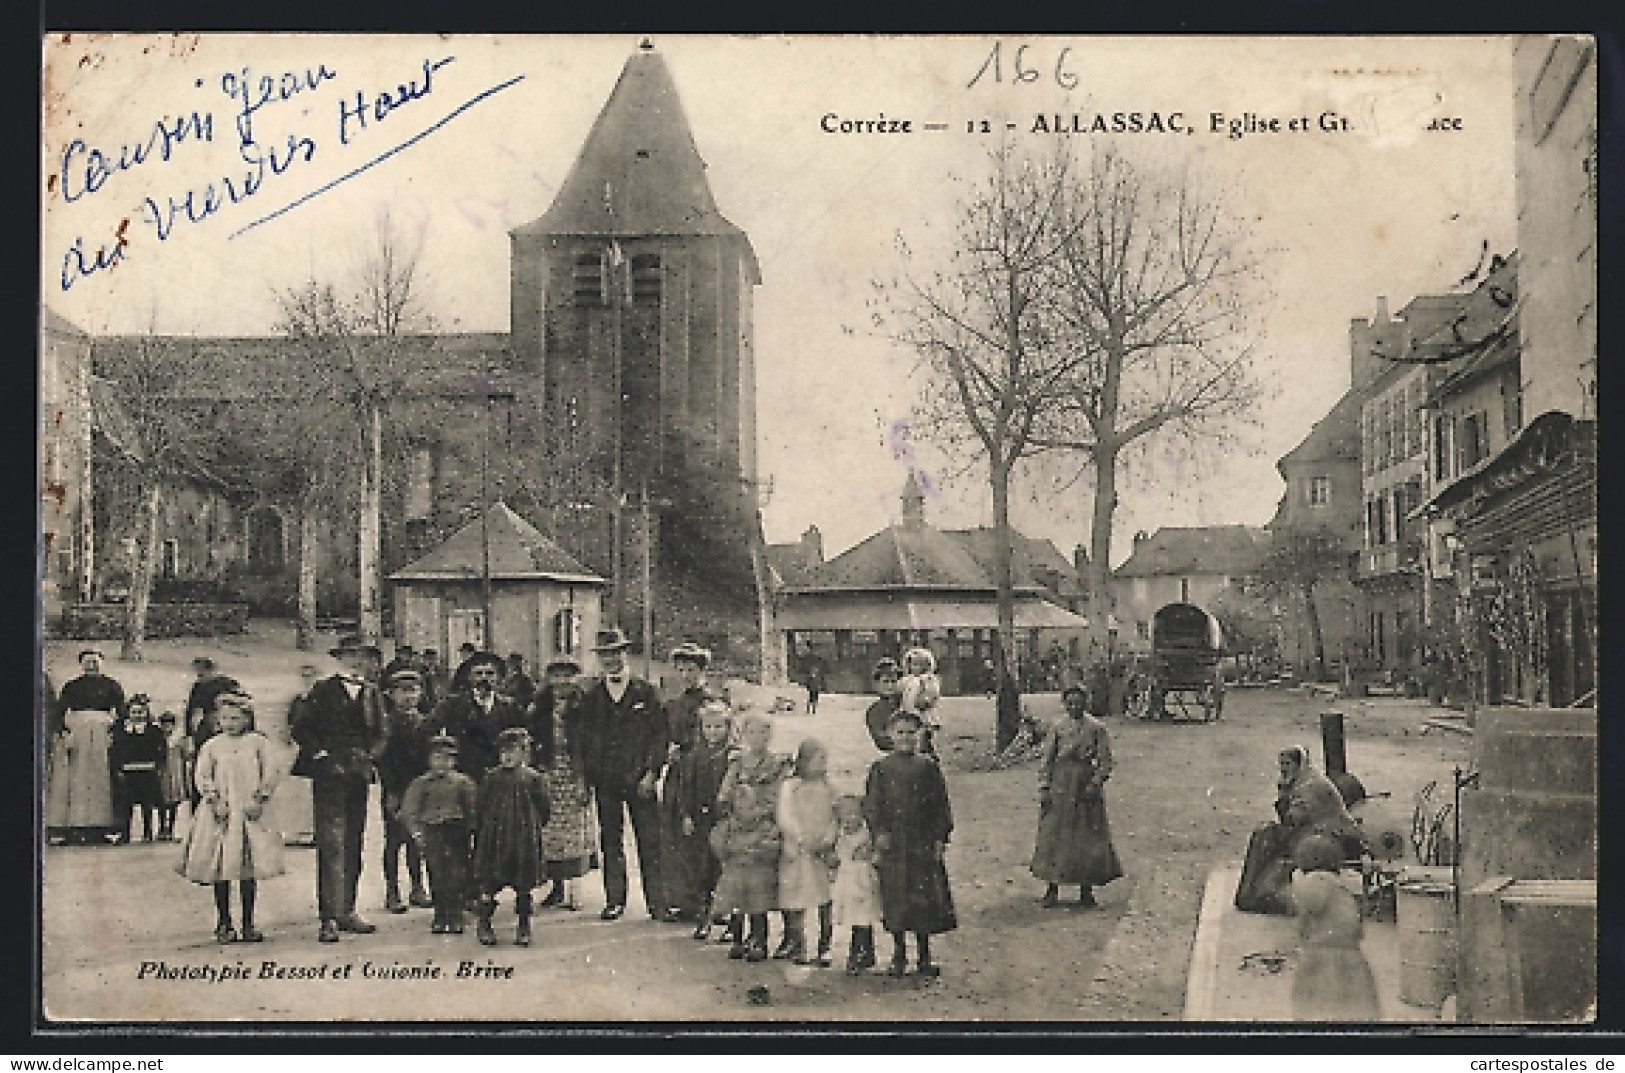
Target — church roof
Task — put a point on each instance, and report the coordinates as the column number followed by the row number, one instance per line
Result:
column 639, row 172
column 518, row 552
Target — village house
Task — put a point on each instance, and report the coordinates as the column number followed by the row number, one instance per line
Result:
column 1187, row 565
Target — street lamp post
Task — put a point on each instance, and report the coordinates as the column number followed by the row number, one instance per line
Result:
column 485, row 504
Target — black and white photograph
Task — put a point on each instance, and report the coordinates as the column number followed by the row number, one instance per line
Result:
column 817, row 529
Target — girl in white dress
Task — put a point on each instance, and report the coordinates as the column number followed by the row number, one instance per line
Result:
column 228, row 839
column 856, row 888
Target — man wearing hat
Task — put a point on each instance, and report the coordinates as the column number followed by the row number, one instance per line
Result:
column 340, row 733
column 623, row 749
column 887, row 678
column 476, row 714
column 199, row 723
column 404, row 756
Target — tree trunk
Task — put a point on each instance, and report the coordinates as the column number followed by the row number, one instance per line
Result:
column 1007, row 722
column 371, row 614
column 1101, row 602
column 135, row 621
column 306, row 630
column 1317, row 643
column 773, row 661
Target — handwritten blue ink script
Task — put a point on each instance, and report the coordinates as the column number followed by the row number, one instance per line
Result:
column 87, row 170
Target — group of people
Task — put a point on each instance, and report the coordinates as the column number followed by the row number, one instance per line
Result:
column 108, row 757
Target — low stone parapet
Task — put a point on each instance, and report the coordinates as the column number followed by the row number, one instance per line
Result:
column 98, row 622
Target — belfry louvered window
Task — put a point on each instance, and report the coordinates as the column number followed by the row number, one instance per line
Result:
column 589, row 279
column 646, row 280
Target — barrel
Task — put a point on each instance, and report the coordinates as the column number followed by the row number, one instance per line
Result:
column 1427, row 931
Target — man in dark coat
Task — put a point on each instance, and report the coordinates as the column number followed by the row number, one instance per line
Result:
column 624, row 745
column 340, row 733
column 517, row 686
column 476, row 715
column 200, row 725
column 682, row 891
column 887, row 677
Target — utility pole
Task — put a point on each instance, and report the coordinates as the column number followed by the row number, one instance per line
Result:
column 485, row 505
column 648, row 586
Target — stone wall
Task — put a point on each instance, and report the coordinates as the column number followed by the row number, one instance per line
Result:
column 96, row 622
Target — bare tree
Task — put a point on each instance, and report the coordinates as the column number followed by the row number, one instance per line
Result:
column 1152, row 285
column 355, row 350
column 170, row 449
column 1298, row 559
column 982, row 328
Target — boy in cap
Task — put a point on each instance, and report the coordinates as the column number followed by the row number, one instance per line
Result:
column 438, row 809
column 405, row 756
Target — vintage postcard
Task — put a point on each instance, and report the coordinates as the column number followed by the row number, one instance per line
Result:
column 817, row 529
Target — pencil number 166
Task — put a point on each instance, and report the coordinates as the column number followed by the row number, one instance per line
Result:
column 1022, row 71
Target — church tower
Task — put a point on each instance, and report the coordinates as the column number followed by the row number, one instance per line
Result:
column 632, row 331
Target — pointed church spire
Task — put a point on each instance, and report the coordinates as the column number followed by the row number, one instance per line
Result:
column 639, row 172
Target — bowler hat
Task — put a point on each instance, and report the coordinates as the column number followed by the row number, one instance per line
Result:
column 611, row 640
column 689, row 652
column 403, row 676
column 561, row 664
column 353, row 645
column 442, row 743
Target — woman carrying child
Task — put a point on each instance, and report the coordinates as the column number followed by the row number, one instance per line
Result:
column 906, row 804
column 228, row 838
column 511, row 811
column 806, row 816
column 747, row 839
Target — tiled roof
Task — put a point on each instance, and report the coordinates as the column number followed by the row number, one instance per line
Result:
column 789, row 561
column 1335, row 436
column 517, row 551
column 1231, row 550
column 1034, row 560
column 108, row 416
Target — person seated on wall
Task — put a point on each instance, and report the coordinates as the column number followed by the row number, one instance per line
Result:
column 1307, row 804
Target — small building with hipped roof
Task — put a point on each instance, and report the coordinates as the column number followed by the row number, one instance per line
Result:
column 543, row 602
column 911, row 585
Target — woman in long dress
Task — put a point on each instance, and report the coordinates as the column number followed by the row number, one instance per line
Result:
column 79, row 792
column 567, row 838
column 1306, row 804
column 1074, row 840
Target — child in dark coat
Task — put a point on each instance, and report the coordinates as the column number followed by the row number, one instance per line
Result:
column 136, row 756
column 702, row 769
column 906, row 804
column 438, row 811
column 511, row 812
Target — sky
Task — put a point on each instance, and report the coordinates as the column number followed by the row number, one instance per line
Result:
column 459, row 151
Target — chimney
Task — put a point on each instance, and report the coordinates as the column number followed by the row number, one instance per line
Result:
column 812, row 546
column 1080, row 559
column 913, row 503
column 1370, row 344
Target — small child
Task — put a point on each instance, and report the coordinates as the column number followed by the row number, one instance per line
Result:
column 856, row 889
column 747, row 839
column 175, row 776
column 1333, row 980
column 511, row 811
column 438, row 808
column 806, row 818
column 228, row 839
column 921, row 690
column 701, row 771
column 906, row 804
column 136, row 755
